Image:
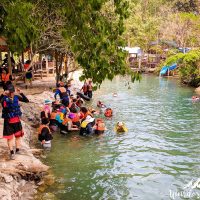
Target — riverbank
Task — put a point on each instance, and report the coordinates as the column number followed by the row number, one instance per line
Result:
column 20, row 178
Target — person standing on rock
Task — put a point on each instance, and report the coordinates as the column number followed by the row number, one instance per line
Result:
column 11, row 114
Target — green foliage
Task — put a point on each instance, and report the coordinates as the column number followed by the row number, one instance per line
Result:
column 83, row 28
column 188, row 65
column 20, row 26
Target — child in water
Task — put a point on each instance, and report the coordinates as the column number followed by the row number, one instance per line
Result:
column 120, row 127
column 44, row 134
column 100, row 104
column 115, row 94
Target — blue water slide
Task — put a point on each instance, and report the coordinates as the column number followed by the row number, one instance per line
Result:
column 164, row 70
column 172, row 67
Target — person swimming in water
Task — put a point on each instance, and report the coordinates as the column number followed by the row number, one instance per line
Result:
column 100, row 104
column 115, row 94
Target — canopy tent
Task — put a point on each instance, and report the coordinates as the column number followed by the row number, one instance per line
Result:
column 164, row 42
column 133, row 50
column 184, row 50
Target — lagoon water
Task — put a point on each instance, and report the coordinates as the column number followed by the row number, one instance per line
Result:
column 158, row 156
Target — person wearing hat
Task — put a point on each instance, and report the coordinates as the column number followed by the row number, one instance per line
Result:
column 11, row 114
column 63, row 94
column 87, row 126
column 46, row 110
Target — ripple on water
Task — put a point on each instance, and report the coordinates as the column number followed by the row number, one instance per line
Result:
column 159, row 153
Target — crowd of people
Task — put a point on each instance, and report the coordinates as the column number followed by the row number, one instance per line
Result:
column 68, row 114
column 64, row 114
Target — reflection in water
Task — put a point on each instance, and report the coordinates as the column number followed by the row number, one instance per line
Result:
column 158, row 154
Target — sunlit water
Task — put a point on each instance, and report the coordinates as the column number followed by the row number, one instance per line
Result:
column 158, row 156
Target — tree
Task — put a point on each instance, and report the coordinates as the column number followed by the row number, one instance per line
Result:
column 189, row 66
column 82, row 29
column 182, row 28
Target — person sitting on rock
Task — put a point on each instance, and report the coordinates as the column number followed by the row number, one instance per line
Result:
column 44, row 134
column 11, row 114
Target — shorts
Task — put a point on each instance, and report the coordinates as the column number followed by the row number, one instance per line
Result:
column 12, row 129
column 47, row 145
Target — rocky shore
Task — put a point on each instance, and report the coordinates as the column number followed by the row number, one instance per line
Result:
column 19, row 178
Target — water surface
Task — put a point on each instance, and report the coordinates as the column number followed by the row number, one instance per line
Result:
column 158, row 155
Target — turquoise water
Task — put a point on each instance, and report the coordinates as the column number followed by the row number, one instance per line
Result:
column 157, row 157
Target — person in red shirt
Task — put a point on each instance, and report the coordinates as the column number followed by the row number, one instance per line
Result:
column 85, row 88
column 28, row 74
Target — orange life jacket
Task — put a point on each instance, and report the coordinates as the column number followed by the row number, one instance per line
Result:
column 100, row 125
column 62, row 89
column 87, row 113
column 85, row 88
column 65, row 121
column 5, row 77
column 76, row 118
column 41, row 127
column 108, row 113
column 53, row 115
column 89, row 87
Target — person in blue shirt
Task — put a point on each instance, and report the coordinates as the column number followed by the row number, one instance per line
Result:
column 63, row 93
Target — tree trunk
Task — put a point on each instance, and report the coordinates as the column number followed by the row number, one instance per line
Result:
column 9, row 63
column 67, row 63
column 61, row 61
column 57, row 70
column 0, row 57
